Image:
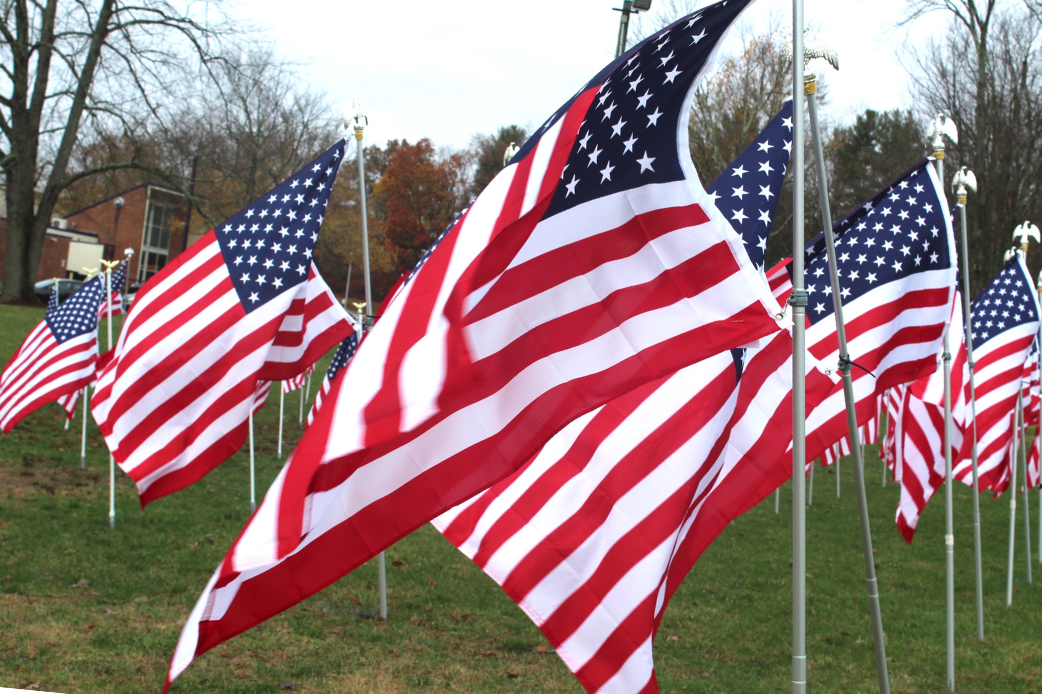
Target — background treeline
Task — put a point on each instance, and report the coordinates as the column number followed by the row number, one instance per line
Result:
column 232, row 121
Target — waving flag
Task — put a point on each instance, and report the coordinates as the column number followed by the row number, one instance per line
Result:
column 592, row 264
column 292, row 384
column 897, row 275
column 241, row 305
column 343, row 355
column 260, row 395
column 920, row 428
column 56, row 358
column 1005, row 321
column 1033, row 398
column 119, row 281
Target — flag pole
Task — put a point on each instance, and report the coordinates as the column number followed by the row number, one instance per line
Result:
column 253, row 471
column 798, row 300
column 307, row 393
column 810, row 89
column 1027, row 508
column 282, row 408
column 358, row 122
column 965, row 180
column 112, row 459
column 83, row 438
column 300, row 418
column 1013, row 501
column 777, row 504
column 941, row 127
column 810, row 484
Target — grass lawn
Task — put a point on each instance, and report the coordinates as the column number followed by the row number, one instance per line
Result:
column 86, row 609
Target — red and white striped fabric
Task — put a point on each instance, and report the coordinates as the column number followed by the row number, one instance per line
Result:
column 292, row 384
column 344, row 353
column 1033, row 398
column 548, row 298
column 119, row 281
column 260, row 396
column 68, row 403
column 920, row 429
column 893, row 401
column 174, row 401
column 780, row 281
column 57, row 358
column 868, row 433
column 594, row 534
column 1005, row 322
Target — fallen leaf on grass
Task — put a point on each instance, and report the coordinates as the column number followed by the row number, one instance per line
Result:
column 110, row 611
column 143, row 598
column 511, row 675
column 288, row 685
column 672, row 638
column 82, row 583
column 543, row 648
column 397, row 564
column 431, row 582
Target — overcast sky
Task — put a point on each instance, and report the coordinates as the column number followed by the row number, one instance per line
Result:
column 447, row 70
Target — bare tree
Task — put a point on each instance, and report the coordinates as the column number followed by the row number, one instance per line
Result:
column 68, row 65
column 1000, row 124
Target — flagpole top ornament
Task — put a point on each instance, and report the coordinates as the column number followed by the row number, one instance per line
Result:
column 128, row 252
column 90, row 271
column 356, row 119
column 962, row 181
column 109, row 264
column 812, row 50
column 511, row 150
column 1024, row 233
column 940, row 127
column 1009, row 255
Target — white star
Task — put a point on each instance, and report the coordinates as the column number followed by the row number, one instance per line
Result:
column 765, row 217
column 634, row 83
column 642, row 101
column 698, row 37
column 252, row 261
column 607, row 112
column 765, row 191
column 897, row 265
column 594, row 154
column 606, row 172
column 820, row 308
column 653, row 117
column 254, row 297
column 645, row 163
column 671, row 75
column 765, row 146
column 787, row 123
column 740, row 171
column 582, row 142
column 871, row 277
column 739, row 216
column 765, row 167
column 571, row 186
column 666, row 59
column 739, row 193
column 628, row 144
column 617, row 128
column 277, row 282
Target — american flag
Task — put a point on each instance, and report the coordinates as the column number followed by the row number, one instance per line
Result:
column 592, row 264
column 260, row 395
column 56, row 358
column 919, row 427
column 1004, row 324
column 747, row 193
column 243, row 304
column 893, row 399
column 343, row 356
column 292, row 384
column 68, row 403
column 119, row 280
column 1032, row 397
column 897, row 275
column 592, row 537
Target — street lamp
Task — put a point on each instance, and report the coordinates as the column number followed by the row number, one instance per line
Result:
column 628, row 7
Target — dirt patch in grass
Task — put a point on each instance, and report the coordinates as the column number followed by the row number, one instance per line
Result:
column 38, row 476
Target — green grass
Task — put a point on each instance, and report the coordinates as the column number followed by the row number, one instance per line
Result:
column 451, row 629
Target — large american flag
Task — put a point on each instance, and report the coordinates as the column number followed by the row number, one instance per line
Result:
column 119, row 281
column 1005, row 320
column 243, row 304
column 593, row 263
column 613, row 511
column 897, row 277
column 57, row 358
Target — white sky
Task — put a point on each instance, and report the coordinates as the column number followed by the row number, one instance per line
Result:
column 447, row 70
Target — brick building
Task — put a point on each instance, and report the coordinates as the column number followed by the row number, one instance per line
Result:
column 148, row 219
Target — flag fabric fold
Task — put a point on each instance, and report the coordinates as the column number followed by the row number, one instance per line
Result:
column 592, row 264
column 242, row 305
column 56, row 359
column 119, row 281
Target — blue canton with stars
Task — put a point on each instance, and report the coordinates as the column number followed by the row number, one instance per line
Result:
column 119, row 277
column 1004, row 304
column 630, row 135
column 757, row 173
column 78, row 315
column 900, row 232
column 268, row 246
column 343, row 355
column 52, row 302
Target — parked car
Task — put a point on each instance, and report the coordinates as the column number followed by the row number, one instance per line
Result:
column 65, row 289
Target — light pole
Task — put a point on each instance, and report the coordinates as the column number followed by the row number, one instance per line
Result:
column 628, row 7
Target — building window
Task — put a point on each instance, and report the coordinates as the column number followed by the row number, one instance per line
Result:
column 156, row 243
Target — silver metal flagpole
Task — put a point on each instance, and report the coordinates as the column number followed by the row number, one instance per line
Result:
column 810, row 88
column 358, row 121
column 83, row 438
column 1027, row 508
column 965, row 180
column 777, row 503
column 300, row 419
column 942, row 126
column 307, row 391
column 810, row 485
column 1013, row 504
column 253, row 471
column 282, row 408
column 798, row 301
column 112, row 460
